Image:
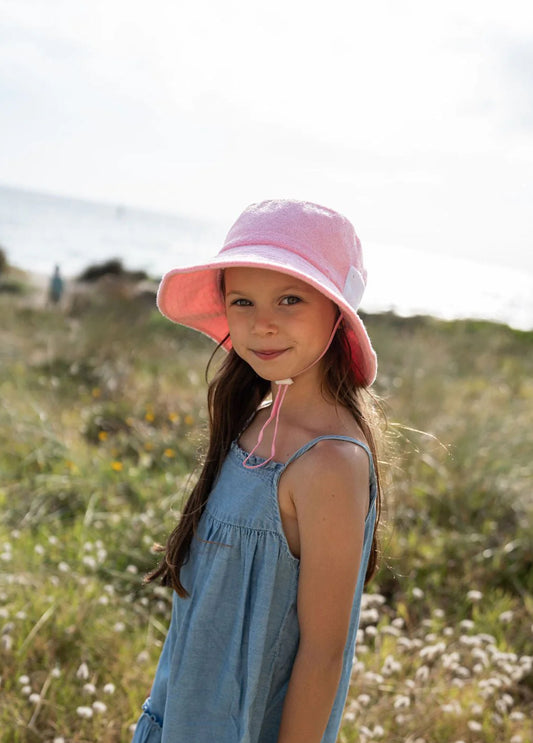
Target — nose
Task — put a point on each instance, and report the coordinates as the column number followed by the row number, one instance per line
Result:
column 264, row 322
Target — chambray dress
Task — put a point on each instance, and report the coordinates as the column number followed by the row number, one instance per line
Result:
column 227, row 659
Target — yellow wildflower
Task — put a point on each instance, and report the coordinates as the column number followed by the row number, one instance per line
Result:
column 149, row 416
column 117, row 466
column 169, row 453
column 188, row 420
column 102, row 435
column 173, row 417
column 96, row 392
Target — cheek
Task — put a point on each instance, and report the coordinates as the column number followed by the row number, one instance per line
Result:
column 235, row 329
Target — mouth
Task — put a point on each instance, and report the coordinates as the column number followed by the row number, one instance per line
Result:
column 268, row 355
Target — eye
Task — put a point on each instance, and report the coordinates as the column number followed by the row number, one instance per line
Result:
column 241, row 303
column 291, row 299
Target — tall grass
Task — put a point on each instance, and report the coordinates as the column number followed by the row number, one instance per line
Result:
column 102, row 416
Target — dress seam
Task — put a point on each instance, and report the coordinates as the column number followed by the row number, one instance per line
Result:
column 242, row 527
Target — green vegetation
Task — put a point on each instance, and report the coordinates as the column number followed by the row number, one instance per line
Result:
column 102, row 415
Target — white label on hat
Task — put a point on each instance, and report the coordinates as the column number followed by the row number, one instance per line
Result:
column 354, row 287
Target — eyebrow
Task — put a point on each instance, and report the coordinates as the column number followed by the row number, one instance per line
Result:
column 285, row 290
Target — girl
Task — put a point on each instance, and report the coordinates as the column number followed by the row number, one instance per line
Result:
column 269, row 559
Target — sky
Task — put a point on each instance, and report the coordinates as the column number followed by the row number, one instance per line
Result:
column 413, row 118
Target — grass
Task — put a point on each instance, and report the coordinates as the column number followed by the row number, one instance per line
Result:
column 102, row 417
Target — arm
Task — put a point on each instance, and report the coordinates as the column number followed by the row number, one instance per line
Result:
column 331, row 509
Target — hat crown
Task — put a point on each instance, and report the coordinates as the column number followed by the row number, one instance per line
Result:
column 319, row 235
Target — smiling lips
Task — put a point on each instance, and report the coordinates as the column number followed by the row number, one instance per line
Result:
column 268, row 355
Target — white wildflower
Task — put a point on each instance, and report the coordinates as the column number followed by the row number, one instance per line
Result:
column 85, row 712
column 466, row 624
column 83, row 672
column 39, row 549
column 24, row 680
column 474, row 596
column 517, row 739
column 119, row 627
column 26, row 690
column 109, row 688
column 422, row 674
column 6, row 643
column 89, row 562
column 517, row 716
column 402, row 702
column 390, row 666
column 63, row 567
column 506, row 617
column 99, row 707
column 439, row 613
column 431, row 652
column 417, row 593
column 369, row 616
column 133, row 569
column 363, row 700
column 474, row 726
column 389, row 629
column 404, row 642
column 35, row 698
column 89, row 688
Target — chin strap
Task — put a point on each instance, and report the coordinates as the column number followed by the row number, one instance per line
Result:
column 283, row 386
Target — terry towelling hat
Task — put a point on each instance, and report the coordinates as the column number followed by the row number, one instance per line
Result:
column 304, row 240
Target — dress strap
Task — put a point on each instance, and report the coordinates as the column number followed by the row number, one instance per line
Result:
column 338, row 437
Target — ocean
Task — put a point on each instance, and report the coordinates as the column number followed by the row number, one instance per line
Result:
column 38, row 231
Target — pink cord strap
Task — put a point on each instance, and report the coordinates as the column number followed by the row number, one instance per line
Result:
column 283, row 386
column 276, row 407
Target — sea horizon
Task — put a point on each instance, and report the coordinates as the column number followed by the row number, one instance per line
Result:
column 40, row 230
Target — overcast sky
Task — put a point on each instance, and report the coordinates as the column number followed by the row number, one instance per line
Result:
column 413, row 117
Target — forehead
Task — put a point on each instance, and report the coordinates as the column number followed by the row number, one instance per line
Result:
column 246, row 277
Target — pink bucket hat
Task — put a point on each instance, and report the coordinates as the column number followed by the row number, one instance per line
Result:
column 305, row 240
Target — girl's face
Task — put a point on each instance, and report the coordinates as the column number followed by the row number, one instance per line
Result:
column 278, row 324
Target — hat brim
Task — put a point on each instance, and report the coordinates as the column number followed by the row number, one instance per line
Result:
column 191, row 296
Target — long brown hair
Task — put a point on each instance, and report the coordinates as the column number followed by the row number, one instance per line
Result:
column 233, row 397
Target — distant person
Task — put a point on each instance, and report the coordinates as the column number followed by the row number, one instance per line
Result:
column 56, row 288
column 278, row 537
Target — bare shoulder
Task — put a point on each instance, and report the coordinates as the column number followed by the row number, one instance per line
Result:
column 333, row 467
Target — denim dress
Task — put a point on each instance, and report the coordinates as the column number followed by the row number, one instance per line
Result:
column 228, row 655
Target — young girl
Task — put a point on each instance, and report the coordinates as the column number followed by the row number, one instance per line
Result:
column 269, row 559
